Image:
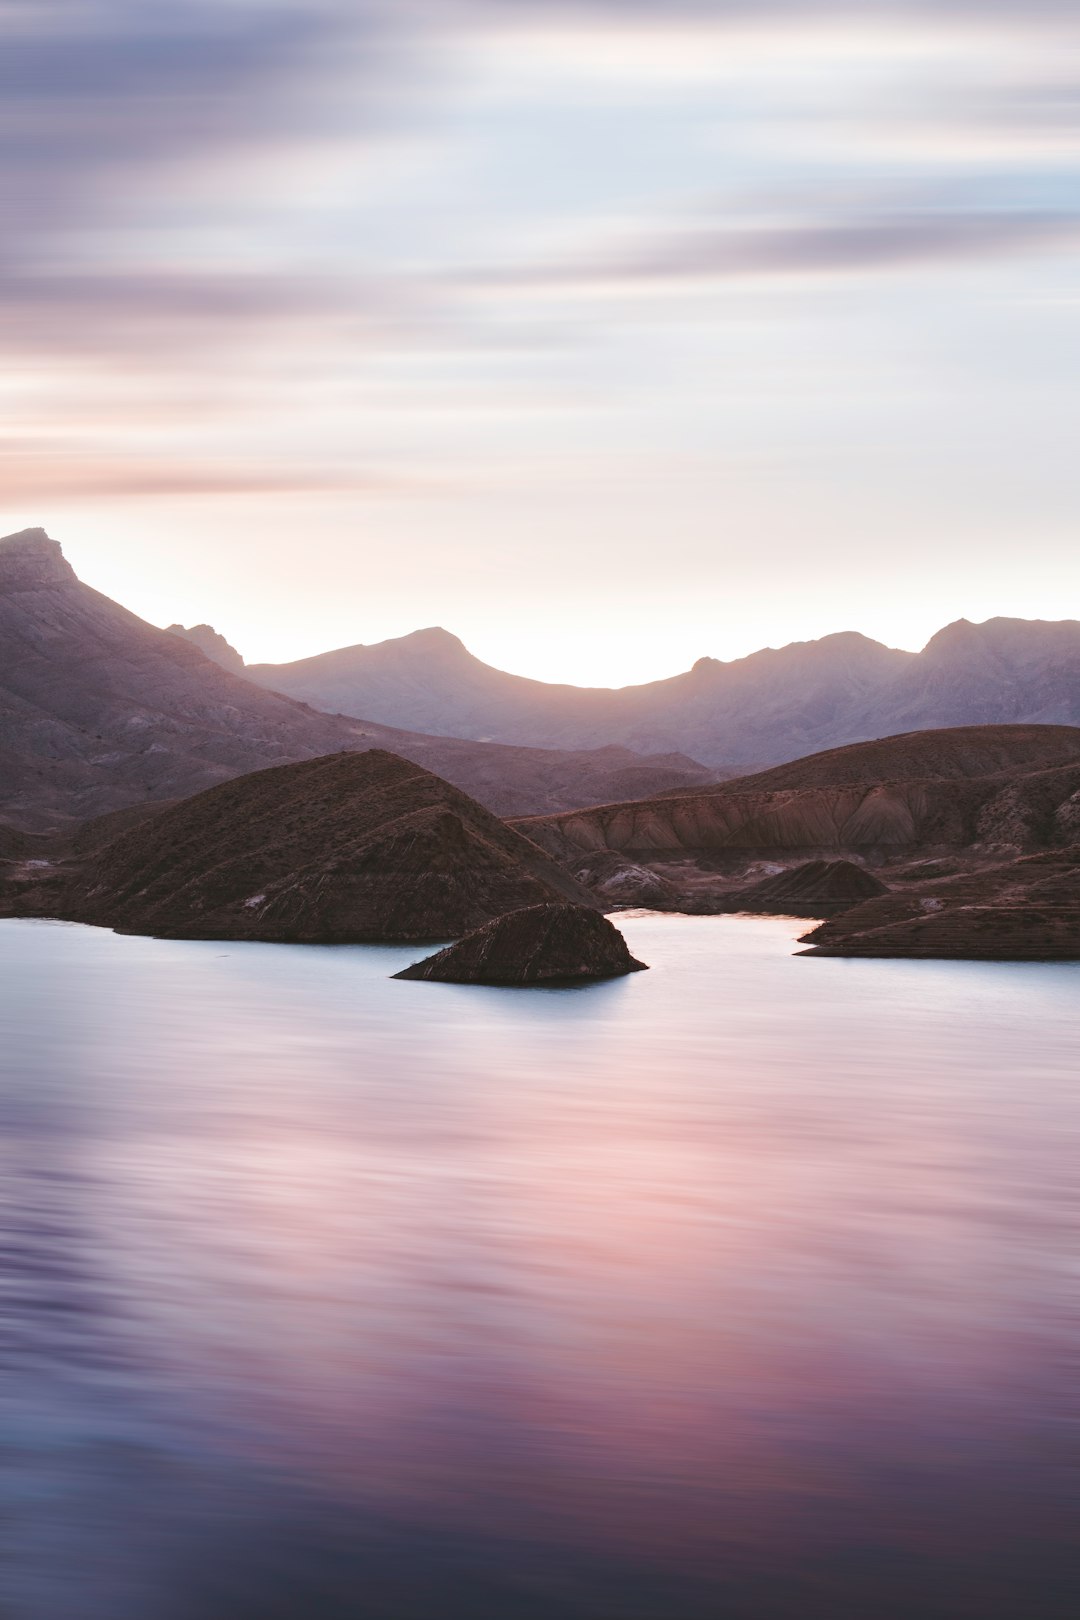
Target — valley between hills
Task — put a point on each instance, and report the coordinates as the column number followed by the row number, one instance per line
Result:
column 150, row 782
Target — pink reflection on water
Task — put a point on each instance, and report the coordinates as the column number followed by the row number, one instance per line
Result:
column 759, row 1257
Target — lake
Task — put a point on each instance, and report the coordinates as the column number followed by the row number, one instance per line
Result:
column 741, row 1289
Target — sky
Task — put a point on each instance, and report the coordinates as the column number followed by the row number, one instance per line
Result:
column 607, row 335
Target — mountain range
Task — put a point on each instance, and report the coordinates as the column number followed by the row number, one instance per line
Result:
column 100, row 710
column 775, row 705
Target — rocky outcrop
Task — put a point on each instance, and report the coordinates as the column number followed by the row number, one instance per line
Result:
column 1027, row 909
column 30, row 561
column 620, row 882
column 814, row 889
column 972, row 933
column 540, row 945
column 208, row 640
column 348, row 848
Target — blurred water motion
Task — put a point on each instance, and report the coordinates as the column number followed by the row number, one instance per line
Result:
column 737, row 1288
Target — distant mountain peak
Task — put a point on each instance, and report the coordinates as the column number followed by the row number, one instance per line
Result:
column 212, row 643
column 1004, row 638
column 30, row 561
column 433, row 637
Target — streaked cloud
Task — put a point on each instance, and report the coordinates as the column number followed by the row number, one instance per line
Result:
column 822, row 247
column 350, row 248
column 53, row 475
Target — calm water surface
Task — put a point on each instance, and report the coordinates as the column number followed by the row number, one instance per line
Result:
column 740, row 1288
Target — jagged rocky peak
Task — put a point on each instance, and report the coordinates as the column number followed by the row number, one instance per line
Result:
column 536, row 945
column 30, row 561
column 212, row 643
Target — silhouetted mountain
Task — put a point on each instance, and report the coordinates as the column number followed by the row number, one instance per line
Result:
column 350, row 847
column 774, row 705
column 99, row 710
column 979, row 674
column 756, row 710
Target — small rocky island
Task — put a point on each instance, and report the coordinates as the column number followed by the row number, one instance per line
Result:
column 536, row 945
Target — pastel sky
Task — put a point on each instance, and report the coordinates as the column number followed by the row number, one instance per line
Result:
column 606, row 335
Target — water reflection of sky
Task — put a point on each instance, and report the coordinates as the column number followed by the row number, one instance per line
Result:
column 738, row 1287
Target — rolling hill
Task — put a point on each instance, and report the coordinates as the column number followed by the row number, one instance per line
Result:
column 346, row 848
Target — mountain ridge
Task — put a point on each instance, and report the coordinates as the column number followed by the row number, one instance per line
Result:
column 100, row 710
column 774, row 705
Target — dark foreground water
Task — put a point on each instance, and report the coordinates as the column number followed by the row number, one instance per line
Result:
column 734, row 1290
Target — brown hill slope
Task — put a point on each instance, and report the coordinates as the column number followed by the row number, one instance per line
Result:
column 99, row 710
column 1027, row 909
column 813, row 889
column 1022, row 808
column 956, row 751
column 351, row 847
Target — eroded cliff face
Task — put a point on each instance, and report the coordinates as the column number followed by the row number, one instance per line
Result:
column 1023, row 812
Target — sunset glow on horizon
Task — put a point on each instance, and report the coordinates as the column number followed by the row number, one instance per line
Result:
column 606, row 343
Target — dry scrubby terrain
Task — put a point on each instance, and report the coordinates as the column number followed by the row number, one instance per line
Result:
column 1023, row 909
column 350, row 847
column 973, row 834
column 371, row 847
column 992, row 785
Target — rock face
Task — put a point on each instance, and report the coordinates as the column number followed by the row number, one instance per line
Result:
column 540, row 945
column 837, row 806
column 620, row 882
column 100, row 711
column 815, row 889
column 347, row 848
column 1022, row 910
column 777, row 704
column 30, row 561
column 207, row 639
